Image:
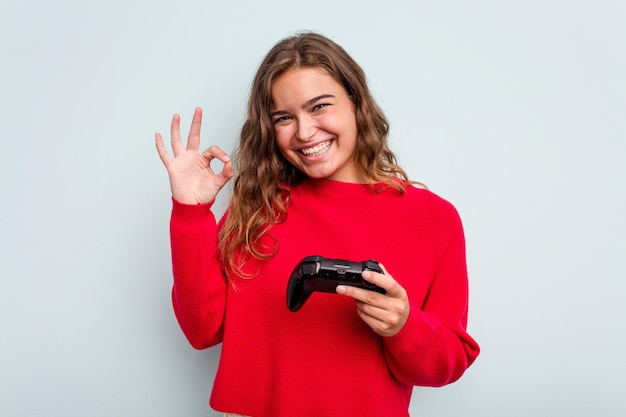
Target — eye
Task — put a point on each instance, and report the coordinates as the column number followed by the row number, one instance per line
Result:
column 320, row 106
column 282, row 120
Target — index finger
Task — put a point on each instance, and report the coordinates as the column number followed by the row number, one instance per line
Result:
column 384, row 281
column 215, row 151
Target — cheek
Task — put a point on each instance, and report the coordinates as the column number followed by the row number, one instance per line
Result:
column 283, row 140
column 344, row 121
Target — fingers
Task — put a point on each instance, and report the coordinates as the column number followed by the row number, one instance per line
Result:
column 192, row 178
column 177, row 144
column 383, row 322
column 193, row 140
column 387, row 313
column 385, row 281
column 215, row 152
column 384, row 314
column 163, row 154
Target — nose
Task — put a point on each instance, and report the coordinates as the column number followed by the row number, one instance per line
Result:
column 306, row 128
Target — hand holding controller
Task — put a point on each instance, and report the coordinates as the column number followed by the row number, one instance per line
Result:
column 316, row 273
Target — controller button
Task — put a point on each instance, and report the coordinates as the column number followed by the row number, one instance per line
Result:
column 309, row 268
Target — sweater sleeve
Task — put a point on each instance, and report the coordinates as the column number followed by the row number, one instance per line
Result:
column 433, row 348
column 199, row 290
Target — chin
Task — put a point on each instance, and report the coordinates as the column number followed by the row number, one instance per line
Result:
column 319, row 174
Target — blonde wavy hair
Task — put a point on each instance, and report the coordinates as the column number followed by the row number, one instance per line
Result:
column 264, row 177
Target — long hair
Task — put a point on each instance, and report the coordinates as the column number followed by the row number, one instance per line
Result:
column 264, row 177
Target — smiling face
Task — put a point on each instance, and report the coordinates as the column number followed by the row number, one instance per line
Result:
column 314, row 124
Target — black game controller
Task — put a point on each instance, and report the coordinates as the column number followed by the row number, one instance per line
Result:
column 316, row 273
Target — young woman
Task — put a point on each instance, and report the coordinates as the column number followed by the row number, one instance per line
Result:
column 314, row 176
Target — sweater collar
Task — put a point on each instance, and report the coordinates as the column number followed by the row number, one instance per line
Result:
column 336, row 189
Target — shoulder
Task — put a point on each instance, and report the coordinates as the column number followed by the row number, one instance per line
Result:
column 429, row 199
column 431, row 206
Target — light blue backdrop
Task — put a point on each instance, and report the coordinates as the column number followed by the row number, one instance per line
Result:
column 515, row 111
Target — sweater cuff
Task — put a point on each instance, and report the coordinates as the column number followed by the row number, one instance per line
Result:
column 191, row 211
column 419, row 323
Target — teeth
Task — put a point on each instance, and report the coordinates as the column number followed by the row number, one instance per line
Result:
column 317, row 149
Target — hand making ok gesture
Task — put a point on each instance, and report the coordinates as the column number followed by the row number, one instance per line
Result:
column 192, row 179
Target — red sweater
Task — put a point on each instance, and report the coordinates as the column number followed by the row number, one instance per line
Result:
column 323, row 360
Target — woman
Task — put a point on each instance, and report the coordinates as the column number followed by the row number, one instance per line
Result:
column 315, row 176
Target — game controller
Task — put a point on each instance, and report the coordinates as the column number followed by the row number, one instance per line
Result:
column 316, row 273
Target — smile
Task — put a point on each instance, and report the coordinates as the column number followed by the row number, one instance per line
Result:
column 318, row 149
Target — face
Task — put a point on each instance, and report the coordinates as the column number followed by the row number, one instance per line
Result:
column 314, row 124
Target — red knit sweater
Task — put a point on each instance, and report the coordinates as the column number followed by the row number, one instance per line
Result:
column 323, row 360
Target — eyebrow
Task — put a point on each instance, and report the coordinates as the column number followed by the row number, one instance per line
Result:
column 305, row 104
column 316, row 99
